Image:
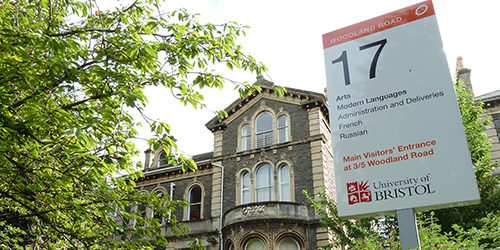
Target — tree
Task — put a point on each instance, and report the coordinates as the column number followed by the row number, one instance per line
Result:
column 345, row 232
column 68, row 74
column 479, row 148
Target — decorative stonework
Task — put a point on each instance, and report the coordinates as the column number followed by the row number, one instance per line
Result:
column 270, row 234
column 282, row 156
column 250, row 210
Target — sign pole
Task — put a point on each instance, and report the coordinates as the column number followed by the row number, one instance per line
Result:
column 408, row 231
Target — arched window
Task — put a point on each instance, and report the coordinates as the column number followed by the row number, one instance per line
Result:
column 195, row 203
column 156, row 211
column 284, row 181
column 288, row 243
column 245, row 188
column 264, row 130
column 162, row 159
column 282, row 129
column 246, row 133
column 264, row 183
column 140, row 210
column 254, row 244
column 230, row 245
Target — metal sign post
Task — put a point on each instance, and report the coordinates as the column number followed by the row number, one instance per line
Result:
column 408, row 231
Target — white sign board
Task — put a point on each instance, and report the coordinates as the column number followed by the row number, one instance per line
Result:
column 398, row 138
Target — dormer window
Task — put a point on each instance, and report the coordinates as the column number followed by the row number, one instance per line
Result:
column 162, row 160
column 264, row 130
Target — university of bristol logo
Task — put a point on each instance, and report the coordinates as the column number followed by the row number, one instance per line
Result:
column 358, row 192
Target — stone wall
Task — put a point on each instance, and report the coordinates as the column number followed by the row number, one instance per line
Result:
column 296, row 152
column 493, row 130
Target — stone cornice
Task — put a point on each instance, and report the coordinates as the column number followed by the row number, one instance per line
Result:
column 271, row 147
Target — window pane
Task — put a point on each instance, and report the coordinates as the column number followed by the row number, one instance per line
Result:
column 162, row 160
column 285, row 192
column 264, row 183
column 245, row 188
column 254, row 244
column 246, row 181
column 246, row 143
column 264, row 122
column 284, row 174
column 285, row 183
column 282, row 121
column 195, row 203
column 246, row 130
column 246, row 133
column 195, row 194
column 288, row 243
column 282, row 129
column 282, row 135
column 194, row 213
column 245, row 197
column 263, row 177
column 264, row 194
column 264, row 130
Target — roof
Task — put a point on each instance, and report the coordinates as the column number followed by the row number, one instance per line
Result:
column 199, row 159
column 310, row 99
column 203, row 157
column 495, row 95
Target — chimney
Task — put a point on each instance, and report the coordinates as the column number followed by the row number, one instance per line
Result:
column 147, row 160
column 463, row 75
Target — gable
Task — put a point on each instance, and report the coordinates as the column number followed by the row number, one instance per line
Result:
column 306, row 99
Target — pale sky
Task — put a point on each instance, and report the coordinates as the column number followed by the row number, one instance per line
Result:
column 286, row 37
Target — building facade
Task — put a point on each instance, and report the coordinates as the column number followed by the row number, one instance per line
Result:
column 491, row 105
column 248, row 192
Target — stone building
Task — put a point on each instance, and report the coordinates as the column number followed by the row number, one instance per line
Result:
column 248, row 192
column 491, row 105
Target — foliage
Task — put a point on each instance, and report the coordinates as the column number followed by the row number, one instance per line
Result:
column 368, row 233
column 69, row 71
column 479, row 147
column 345, row 231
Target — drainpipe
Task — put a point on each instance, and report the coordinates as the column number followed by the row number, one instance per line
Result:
column 221, row 203
column 172, row 186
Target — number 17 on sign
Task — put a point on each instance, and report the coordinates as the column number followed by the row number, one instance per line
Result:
column 373, row 67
